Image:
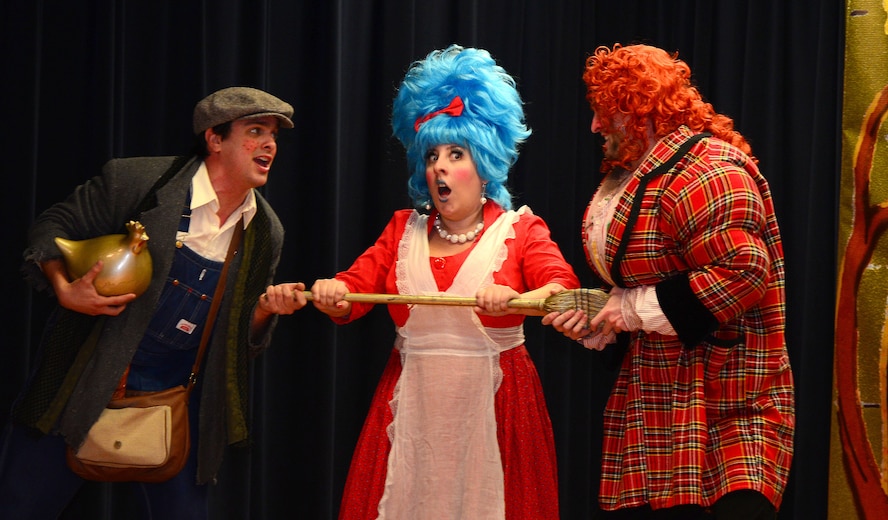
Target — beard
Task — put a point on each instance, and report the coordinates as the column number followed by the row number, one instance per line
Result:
column 621, row 151
column 611, row 147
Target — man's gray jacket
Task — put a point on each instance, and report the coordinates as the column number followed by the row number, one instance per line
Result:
column 82, row 358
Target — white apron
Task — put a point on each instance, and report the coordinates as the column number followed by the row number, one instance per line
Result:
column 445, row 460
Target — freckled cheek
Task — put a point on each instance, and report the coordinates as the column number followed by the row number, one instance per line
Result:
column 250, row 146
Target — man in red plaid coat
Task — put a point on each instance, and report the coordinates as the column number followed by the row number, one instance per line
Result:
column 682, row 228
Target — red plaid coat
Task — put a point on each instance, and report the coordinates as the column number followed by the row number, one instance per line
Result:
column 711, row 410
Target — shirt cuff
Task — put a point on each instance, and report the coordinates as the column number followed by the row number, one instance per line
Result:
column 641, row 311
column 597, row 341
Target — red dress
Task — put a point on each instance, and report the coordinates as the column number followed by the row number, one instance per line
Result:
column 523, row 428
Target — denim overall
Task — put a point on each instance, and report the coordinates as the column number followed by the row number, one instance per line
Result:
column 166, row 354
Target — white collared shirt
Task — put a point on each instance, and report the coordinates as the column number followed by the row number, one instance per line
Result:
column 205, row 235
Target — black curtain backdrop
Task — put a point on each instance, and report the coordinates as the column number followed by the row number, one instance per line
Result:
column 87, row 81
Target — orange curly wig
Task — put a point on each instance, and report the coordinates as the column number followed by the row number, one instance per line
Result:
column 650, row 89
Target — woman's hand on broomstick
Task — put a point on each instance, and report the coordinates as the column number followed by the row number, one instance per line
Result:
column 493, row 300
column 328, row 296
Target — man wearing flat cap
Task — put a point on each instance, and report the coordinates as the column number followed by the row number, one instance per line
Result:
column 97, row 346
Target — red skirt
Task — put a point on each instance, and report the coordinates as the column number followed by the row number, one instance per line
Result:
column 524, row 432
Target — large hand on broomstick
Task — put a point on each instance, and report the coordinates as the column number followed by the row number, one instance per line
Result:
column 589, row 301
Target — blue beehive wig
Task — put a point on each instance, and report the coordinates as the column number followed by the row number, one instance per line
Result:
column 491, row 125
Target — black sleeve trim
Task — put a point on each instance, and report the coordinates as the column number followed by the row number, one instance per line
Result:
column 691, row 320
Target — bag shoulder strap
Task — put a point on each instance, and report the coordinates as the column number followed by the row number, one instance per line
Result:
column 217, row 301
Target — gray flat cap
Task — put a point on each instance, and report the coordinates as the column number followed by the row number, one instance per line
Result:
column 233, row 103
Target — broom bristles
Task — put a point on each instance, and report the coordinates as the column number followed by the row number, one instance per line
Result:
column 589, row 301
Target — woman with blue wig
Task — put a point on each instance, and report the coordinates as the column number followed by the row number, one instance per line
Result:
column 458, row 426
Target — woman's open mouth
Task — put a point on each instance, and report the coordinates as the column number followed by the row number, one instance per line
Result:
column 443, row 191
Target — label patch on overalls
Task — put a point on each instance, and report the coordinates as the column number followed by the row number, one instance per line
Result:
column 186, row 326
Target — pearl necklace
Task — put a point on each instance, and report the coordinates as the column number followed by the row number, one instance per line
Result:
column 461, row 238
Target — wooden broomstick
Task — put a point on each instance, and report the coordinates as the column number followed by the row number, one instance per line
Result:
column 588, row 300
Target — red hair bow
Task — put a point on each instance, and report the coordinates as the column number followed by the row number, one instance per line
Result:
column 454, row 109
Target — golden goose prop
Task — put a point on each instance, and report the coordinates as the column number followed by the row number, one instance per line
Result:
column 126, row 261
